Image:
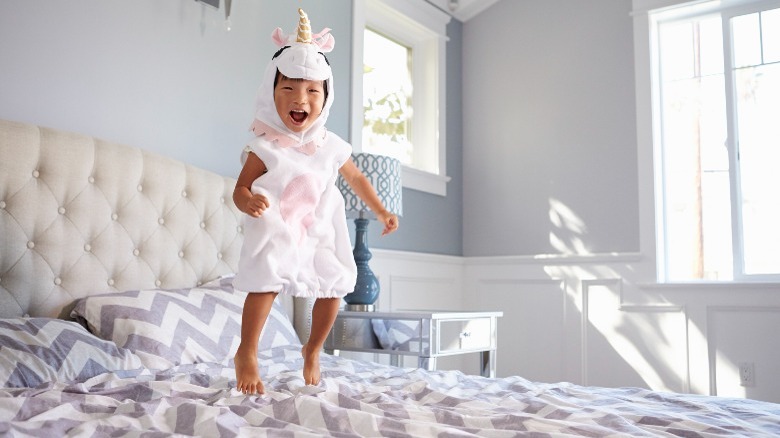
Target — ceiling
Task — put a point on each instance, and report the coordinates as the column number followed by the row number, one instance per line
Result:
column 463, row 10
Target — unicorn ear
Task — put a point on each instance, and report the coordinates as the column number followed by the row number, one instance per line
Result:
column 278, row 37
column 326, row 43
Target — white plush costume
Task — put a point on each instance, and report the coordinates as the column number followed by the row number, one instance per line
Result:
column 300, row 245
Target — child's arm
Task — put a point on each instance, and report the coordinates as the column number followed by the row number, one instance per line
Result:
column 245, row 200
column 363, row 188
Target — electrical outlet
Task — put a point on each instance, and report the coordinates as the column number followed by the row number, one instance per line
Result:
column 747, row 374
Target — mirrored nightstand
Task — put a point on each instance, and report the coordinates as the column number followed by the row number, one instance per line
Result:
column 425, row 334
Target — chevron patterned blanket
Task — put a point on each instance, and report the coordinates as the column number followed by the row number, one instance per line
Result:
column 159, row 363
column 362, row 399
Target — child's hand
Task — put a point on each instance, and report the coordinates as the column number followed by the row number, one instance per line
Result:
column 390, row 220
column 256, row 205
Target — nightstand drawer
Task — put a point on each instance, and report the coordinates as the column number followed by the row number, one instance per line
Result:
column 465, row 334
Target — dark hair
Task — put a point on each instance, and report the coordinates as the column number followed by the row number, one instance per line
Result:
column 280, row 75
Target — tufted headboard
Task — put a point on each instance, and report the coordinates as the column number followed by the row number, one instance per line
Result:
column 81, row 216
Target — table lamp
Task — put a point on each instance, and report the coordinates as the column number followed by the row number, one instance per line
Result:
column 385, row 175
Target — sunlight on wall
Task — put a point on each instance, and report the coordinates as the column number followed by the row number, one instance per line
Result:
column 728, row 377
column 645, row 338
column 568, row 228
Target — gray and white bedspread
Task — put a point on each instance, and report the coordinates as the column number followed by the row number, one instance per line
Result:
column 363, row 399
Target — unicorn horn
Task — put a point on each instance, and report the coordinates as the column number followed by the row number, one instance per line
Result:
column 304, row 28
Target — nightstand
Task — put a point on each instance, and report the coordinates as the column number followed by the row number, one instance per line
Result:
column 425, row 334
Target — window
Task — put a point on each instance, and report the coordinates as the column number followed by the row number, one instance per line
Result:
column 387, row 99
column 716, row 111
column 399, row 87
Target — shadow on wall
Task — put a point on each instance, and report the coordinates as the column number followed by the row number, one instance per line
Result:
column 566, row 236
column 623, row 341
column 634, row 336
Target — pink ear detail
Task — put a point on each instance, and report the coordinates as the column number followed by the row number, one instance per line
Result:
column 326, row 42
column 279, row 37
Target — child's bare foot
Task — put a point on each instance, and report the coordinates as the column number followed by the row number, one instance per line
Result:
column 311, row 365
column 247, row 373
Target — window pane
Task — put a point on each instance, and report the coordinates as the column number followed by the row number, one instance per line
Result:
column 746, row 40
column 387, row 97
column 676, row 42
column 697, row 219
column 770, row 29
column 711, row 46
column 758, row 106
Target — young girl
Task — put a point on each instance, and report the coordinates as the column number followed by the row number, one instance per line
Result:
column 296, row 240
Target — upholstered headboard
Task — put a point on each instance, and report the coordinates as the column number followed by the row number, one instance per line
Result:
column 81, row 216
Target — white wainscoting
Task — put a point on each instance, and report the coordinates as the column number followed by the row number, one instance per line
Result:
column 589, row 320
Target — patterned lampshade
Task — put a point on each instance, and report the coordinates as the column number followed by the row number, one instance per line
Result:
column 385, row 175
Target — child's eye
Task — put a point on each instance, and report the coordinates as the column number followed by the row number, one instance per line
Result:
column 314, row 90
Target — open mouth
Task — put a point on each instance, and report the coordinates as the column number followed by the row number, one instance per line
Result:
column 298, row 116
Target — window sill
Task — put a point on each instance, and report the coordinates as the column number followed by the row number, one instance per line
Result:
column 711, row 285
column 424, row 181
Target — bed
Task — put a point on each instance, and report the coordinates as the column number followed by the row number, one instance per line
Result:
column 118, row 318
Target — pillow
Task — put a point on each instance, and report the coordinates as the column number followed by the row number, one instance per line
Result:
column 39, row 350
column 168, row 327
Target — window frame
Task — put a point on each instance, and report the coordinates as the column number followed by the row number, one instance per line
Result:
column 648, row 14
column 422, row 27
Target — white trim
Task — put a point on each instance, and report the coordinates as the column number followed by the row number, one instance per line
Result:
column 646, row 6
column 556, row 259
column 424, row 181
column 417, row 257
column 464, row 10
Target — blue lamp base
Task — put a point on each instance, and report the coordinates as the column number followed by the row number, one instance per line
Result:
column 367, row 287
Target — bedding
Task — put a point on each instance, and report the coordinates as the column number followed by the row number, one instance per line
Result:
column 128, row 242
column 358, row 398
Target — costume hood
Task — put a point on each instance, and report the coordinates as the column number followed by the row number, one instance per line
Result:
column 301, row 55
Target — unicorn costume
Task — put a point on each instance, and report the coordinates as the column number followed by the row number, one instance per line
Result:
column 300, row 245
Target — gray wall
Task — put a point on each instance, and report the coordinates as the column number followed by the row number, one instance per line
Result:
column 550, row 132
column 167, row 77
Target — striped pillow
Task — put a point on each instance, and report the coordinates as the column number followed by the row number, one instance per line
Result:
column 180, row 326
column 35, row 351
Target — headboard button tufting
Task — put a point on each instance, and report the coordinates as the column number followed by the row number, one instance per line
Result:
column 88, row 218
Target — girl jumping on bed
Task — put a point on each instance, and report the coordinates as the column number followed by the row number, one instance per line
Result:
column 296, row 240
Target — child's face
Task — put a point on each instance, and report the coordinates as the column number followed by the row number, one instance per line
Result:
column 299, row 102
